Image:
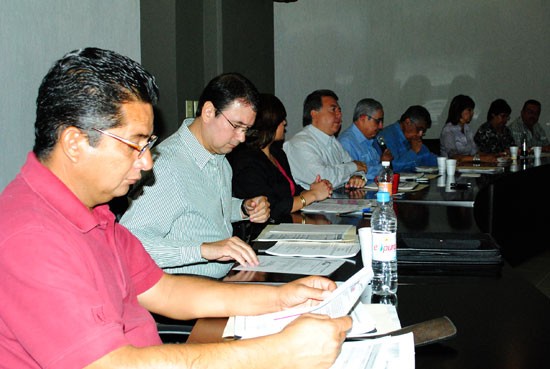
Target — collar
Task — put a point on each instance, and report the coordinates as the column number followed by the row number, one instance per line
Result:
column 359, row 136
column 59, row 197
column 319, row 135
column 200, row 155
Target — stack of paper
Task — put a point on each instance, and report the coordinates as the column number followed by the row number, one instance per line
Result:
column 338, row 206
column 308, row 232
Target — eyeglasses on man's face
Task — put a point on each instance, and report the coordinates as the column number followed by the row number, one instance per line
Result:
column 141, row 149
column 236, row 127
column 377, row 120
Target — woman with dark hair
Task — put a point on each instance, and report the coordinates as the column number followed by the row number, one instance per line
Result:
column 457, row 139
column 260, row 166
column 493, row 136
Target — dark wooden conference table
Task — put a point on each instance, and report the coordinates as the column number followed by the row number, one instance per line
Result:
column 502, row 320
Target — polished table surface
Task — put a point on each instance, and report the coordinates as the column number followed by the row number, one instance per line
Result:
column 502, row 320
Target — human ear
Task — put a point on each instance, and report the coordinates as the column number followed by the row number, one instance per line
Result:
column 208, row 111
column 73, row 142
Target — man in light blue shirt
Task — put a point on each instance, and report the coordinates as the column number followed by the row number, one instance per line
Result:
column 359, row 139
column 182, row 211
column 404, row 140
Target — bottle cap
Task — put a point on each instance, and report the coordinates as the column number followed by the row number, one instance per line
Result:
column 382, row 197
column 385, row 163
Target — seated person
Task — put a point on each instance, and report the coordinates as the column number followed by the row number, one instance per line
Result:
column 359, row 139
column 182, row 211
column 77, row 287
column 404, row 140
column 527, row 125
column 261, row 168
column 315, row 151
column 493, row 136
column 457, row 139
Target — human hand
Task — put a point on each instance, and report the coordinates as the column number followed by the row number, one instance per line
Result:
column 321, row 189
column 361, row 166
column 416, row 144
column 314, row 341
column 304, row 292
column 258, row 209
column 232, row 248
column 489, row 158
column 355, row 182
column 386, row 156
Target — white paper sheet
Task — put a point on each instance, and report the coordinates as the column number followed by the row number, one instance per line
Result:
column 395, row 352
column 336, row 206
column 338, row 304
column 308, row 232
column 291, row 265
column 315, row 250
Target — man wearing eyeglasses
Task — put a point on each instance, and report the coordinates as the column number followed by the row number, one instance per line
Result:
column 404, row 139
column 359, row 139
column 77, row 287
column 182, row 211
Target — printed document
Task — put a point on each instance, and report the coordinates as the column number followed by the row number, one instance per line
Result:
column 291, row 265
column 336, row 206
column 338, row 304
column 308, row 232
column 314, row 249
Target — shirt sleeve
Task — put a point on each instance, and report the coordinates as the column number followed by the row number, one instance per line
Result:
column 447, row 143
column 150, row 219
column 306, row 163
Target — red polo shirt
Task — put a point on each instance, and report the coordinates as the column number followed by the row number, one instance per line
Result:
column 69, row 277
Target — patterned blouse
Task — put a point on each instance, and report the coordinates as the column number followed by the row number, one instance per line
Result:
column 490, row 141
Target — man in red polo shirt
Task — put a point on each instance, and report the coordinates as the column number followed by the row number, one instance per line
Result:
column 76, row 286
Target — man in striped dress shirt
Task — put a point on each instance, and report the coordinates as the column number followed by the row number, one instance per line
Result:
column 182, row 210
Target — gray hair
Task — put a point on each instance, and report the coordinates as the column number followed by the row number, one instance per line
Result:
column 366, row 107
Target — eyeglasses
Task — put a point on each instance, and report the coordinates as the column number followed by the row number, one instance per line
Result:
column 377, row 120
column 140, row 149
column 236, row 127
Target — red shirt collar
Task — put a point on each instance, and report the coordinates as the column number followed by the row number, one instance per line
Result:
column 57, row 195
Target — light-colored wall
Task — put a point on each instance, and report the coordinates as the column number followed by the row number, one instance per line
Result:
column 33, row 35
column 404, row 52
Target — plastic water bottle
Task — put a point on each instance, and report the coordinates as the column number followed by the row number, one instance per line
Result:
column 524, row 149
column 385, row 178
column 384, row 247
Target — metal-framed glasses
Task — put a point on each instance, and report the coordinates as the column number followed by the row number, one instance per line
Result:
column 377, row 120
column 235, row 126
column 141, row 149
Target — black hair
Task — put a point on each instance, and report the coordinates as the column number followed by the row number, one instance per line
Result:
column 314, row 101
column 416, row 114
column 222, row 90
column 497, row 107
column 459, row 103
column 531, row 102
column 85, row 89
column 272, row 112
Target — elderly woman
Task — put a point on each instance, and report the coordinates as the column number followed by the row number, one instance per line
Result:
column 260, row 166
column 457, row 139
column 493, row 136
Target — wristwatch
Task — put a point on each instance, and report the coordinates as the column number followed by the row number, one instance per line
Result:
column 243, row 209
column 477, row 158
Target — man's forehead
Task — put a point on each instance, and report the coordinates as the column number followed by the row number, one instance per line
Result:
column 329, row 101
column 532, row 108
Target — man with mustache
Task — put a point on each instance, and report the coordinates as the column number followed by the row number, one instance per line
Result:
column 316, row 151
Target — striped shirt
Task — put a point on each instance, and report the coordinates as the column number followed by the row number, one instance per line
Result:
column 536, row 138
column 183, row 202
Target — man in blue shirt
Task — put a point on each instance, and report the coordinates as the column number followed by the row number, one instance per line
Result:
column 359, row 139
column 404, row 140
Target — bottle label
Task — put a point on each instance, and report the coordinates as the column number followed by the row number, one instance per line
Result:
column 384, row 246
column 385, row 187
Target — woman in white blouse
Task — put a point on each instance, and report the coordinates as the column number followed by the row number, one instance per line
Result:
column 457, row 139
